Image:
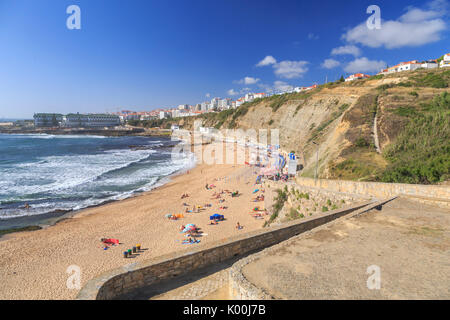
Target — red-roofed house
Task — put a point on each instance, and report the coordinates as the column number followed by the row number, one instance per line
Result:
column 356, row 76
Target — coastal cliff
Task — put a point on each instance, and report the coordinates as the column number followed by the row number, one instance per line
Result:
column 369, row 130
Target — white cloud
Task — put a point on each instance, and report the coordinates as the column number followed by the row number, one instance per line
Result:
column 348, row 49
column 282, row 86
column 268, row 60
column 208, row 95
column 330, row 64
column 414, row 28
column 312, row 36
column 364, row 65
column 285, row 69
column 248, row 80
column 231, row 92
column 290, row 69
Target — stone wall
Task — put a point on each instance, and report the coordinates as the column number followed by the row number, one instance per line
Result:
column 430, row 194
column 317, row 199
column 118, row 282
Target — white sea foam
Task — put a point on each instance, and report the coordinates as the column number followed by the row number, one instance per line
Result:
column 55, row 136
column 79, row 181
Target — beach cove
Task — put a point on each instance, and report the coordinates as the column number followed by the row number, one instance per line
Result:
column 34, row 264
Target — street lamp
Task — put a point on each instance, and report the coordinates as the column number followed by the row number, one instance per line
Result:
column 317, row 160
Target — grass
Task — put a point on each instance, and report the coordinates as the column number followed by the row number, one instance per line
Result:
column 294, row 214
column 280, row 199
column 326, row 123
column 277, row 101
column 361, row 165
column 420, row 153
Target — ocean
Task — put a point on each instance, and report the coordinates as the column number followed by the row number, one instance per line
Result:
column 45, row 176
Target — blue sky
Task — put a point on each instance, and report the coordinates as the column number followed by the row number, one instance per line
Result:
column 143, row 55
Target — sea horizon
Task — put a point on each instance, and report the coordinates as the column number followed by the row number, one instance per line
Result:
column 46, row 176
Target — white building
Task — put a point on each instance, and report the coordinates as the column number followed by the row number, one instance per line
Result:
column 92, row 120
column 164, row 114
column 205, row 106
column 445, row 61
column 175, row 113
column 239, row 102
column 224, row 104
column 356, row 76
column 183, row 107
column 409, row 66
column 214, row 103
column 402, row 66
column 47, row 119
column 429, row 64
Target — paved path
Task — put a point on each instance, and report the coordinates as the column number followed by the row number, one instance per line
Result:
column 407, row 240
column 375, row 134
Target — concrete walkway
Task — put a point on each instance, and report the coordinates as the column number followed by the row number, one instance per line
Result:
column 409, row 242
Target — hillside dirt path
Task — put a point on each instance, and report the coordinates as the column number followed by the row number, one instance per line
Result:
column 375, row 134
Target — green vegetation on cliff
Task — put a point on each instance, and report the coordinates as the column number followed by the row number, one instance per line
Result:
column 421, row 152
column 412, row 126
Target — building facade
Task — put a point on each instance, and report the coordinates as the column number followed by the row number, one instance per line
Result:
column 47, row 119
column 76, row 120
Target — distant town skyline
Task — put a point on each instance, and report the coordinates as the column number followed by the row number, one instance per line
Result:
column 150, row 55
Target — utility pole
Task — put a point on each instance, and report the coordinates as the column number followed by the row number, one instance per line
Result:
column 317, row 161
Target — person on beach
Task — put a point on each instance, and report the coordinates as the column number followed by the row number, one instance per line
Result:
column 238, row 226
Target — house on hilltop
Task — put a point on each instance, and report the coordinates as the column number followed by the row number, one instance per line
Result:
column 445, row 61
column 356, row 76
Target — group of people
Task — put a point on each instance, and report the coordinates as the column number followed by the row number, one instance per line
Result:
column 259, row 198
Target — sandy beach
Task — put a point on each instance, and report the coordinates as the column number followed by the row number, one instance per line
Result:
column 33, row 265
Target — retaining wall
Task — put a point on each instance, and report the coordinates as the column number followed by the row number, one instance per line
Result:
column 118, row 282
column 431, row 194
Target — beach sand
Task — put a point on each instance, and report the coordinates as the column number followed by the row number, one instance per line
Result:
column 33, row 265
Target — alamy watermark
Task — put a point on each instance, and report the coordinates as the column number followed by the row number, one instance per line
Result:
column 74, row 280
column 374, row 280
column 74, row 20
column 212, row 146
column 374, row 21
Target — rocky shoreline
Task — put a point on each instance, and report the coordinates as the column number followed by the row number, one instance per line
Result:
column 81, row 131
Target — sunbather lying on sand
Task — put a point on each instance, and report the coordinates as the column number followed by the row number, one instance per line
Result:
column 110, row 242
